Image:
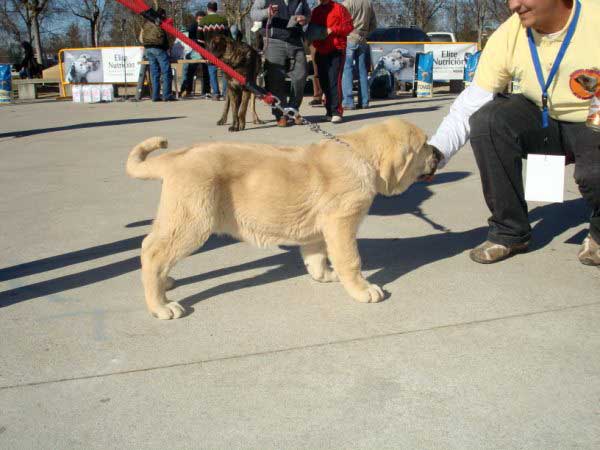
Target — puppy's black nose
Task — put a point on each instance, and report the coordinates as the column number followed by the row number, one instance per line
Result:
column 437, row 154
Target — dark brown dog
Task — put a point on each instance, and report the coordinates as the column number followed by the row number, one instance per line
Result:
column 246, row 61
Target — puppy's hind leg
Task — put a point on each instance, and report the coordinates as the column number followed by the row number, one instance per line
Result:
column 315, row 260
column 340, row 237
column 223, row 119
column 163, row 247
column 255, row 119
column 236, row 100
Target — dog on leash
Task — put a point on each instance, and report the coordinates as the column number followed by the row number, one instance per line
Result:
column 314, row 196
column 247, row 62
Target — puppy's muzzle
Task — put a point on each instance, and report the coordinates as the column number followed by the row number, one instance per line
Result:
column 437, row 156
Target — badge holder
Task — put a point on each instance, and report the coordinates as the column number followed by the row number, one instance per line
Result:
column 545, row 178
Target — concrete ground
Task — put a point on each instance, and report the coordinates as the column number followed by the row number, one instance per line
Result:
column 459, row 356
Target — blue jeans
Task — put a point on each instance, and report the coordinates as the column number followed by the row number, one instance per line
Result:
column 358, row 53
column 214, row 81
column 159, row 67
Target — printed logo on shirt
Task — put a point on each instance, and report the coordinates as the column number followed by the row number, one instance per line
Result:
column 585, row 83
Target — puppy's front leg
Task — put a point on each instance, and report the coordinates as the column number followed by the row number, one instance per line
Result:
column 243, row 110
column 315, row 260
column 340, row 237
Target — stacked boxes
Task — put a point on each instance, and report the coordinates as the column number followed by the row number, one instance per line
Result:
column 92, row 93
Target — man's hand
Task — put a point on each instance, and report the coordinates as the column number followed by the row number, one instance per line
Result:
column 273, row 9
column 301, row 20
column 329, row 31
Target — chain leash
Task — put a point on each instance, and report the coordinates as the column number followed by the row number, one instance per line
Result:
column 293, row 113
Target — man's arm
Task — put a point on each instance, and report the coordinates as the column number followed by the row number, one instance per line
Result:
column 454, row 130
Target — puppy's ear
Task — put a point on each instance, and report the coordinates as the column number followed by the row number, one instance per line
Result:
column 416, row 139
column 387, row 173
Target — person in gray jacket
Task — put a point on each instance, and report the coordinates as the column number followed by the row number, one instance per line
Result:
column 282, row 23
column 357, row 50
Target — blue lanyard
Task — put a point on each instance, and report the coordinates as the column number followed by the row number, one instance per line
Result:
column 561, row 53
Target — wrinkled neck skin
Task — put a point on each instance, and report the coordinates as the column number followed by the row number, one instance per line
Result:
column 387, row 175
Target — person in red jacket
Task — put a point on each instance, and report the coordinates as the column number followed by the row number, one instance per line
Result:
column 331, row 53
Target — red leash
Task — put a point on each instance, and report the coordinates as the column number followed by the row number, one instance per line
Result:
column 141, row 8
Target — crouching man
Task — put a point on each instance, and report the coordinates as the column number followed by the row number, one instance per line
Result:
column 547, row 45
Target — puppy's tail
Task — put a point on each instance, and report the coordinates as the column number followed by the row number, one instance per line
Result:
column 137, row 166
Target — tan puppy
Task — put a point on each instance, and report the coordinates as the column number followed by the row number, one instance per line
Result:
column 314, row 196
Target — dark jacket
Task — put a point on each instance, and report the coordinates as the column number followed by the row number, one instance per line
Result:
column 153, row 36
column 280, row 28
column 193, row 31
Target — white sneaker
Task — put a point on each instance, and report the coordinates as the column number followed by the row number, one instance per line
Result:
column 336, row 119
column 327, row 118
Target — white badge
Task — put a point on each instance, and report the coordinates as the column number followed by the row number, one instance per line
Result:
column 545, row 179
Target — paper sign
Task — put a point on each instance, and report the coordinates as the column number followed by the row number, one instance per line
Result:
column 545, row 178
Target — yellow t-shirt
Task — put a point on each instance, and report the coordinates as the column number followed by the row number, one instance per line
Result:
column 506, row 56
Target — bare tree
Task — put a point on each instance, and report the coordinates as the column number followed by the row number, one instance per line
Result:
column 424, row 12
column 477, row 13
column 125, row 27
column 499, row 10
column 30, row 13
column 15, row 20
column 420, row 13
column 236, row 11
column 95, row 12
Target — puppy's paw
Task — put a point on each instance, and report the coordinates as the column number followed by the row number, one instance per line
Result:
column 325, row 276
column 171, row 310
column 258, row 122
column 221, row 122
column 233, row 128
column 372, row 294
column 169, row 283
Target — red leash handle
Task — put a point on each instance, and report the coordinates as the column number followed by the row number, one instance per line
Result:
column 137, row 6
column 140, row 7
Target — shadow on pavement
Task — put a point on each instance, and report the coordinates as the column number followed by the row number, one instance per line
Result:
column 409, row 202
column 369, row 114
column 86, row 277
column 108, row 123
column 388, row 256
column 556, row 218
column 393, row 257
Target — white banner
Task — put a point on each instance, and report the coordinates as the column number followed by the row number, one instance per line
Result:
column 449, row 59
column 121, row 64
column 399, row 58
column 102, row 65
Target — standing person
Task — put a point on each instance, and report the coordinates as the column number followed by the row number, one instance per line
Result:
column 210, row 26
column 189, row 70
column 357, row 50
column 282, row 22
column 540, row 35
column 29, row 67
column 156, row 46
column 330, row 53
